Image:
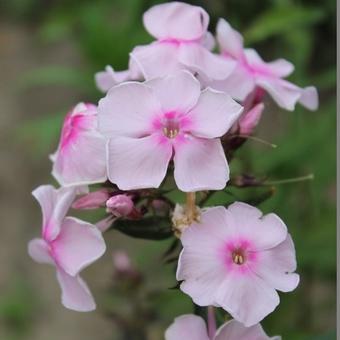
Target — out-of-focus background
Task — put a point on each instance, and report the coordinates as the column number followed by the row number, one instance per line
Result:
column 49, row 52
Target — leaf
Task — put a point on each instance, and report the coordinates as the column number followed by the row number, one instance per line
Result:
column 150, row 228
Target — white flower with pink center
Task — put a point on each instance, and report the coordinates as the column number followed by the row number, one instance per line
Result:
column 183, row 42
column 251, row 71
column 80, row 158
column 236, row 259
column 148, row 124
column 193, row 327
column 67, row 243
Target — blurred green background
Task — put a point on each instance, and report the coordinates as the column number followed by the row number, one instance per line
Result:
column 49, row 51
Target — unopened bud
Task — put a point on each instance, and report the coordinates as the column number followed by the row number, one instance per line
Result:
column 120, row 205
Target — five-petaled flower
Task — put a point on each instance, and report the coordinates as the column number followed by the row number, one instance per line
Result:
column 150, row 123
column 67, row 243
column 193, row 327
column 236, row 259
column 80, row 157
column 183, row 42
column 251, row 72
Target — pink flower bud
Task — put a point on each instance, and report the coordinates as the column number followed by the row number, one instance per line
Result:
column 250, row 119
column 93, row 200
column 120, row 205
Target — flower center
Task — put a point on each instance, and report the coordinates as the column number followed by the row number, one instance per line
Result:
column 171, row 127
column 239, row 256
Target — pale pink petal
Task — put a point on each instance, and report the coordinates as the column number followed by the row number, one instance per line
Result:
column 254, row 60
column 108, row 78
column 276, row 266
column 92, row 200
column 82, row 162
column 190, row 154
column 55, row 205
column 209, row 41
column 207, row 64
column 265, row 231
column 283, row 92
column 236, row 330
column 238, row 85
column 39, row 251
column 157, row 59
column 78, row 245
column 229, row 40
column 177, row 92
column 201, row 266
column 247, row 297
column 176, row 20
column 127, row 110
column 137, row 163
column 250, row 119
column 75, row 293
column 309, row 98
column 281, row 67
column 187, row 327
column 214, row 114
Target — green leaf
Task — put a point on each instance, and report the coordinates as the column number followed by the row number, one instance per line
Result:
column 150, row 228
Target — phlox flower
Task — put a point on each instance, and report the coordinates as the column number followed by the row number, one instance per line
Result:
column 236, row 259
column 193, row 327
column 80, row 157
column 182, row 42
column 150, row 123
column 251, row 72
column 67, row 243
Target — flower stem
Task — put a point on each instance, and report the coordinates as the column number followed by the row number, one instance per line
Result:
column 190, row 205
column 211, row 322
column 290, row 180
column 256, row 139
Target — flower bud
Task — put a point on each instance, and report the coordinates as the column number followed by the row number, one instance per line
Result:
column 120, row 205
column 250, row 119
column 92, row 200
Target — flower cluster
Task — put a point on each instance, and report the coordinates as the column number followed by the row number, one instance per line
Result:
column 173, row 120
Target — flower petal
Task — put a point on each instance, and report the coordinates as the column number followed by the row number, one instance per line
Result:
column 238, row 85
column 38, row 249
column 156, row 60
column 138, row 163
column 187, row 327
column 83, row 162
column 276, row 266
column 78, row 245
column 55, row 204
column 309, row 98
column 214, row 114
column 229, row 40
column 207, row 64
column 247, row 297
column 109, row 78
column 75, row 293
column 281, row 67
column 283, row 92
column 266, row 232
column 127, row 110
column 177, row 92
column 236, row 330
column 190, row 154
column 176, row 20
